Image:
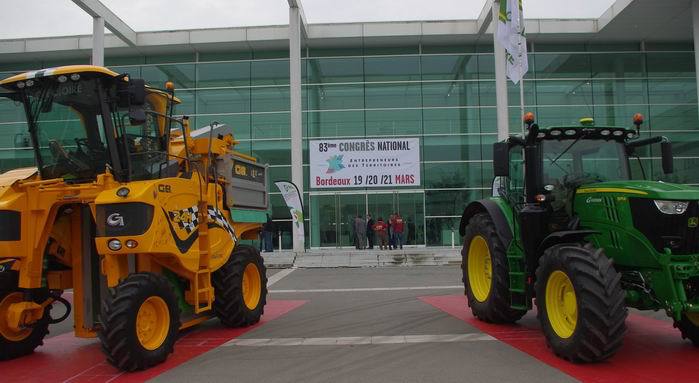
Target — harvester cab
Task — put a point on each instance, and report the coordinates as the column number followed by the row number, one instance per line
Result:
column 132, row 211
column 575, row 224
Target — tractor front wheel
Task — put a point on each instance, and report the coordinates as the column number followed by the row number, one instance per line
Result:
column 689, row 327
column 580, row 303
column 486, row 273
column 15, row 343
column 240, row 287
column 140, row 322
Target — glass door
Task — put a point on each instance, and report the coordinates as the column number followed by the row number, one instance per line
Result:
column 350, row 205
column 332, row 215
column 411, row 207
column 324, row 221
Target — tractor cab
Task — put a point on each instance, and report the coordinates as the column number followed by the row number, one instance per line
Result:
column 83, row 120
column 549, row 165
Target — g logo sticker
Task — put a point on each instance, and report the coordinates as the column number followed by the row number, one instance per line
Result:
column 693, row 222
column 115, row 219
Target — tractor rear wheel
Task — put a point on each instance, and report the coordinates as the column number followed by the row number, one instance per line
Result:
column 140, row 322
column 240, row 287
column 689, row 327
column 13, row 343
column 580, row 303
column 486, row 275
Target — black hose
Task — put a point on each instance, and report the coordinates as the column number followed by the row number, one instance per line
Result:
column 59, row 298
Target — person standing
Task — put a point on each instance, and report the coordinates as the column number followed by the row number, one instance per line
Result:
column 398, row 227
column 380, row 229
column 370, row 231
column 360, row 232
column 391, row 238
column 267, row 232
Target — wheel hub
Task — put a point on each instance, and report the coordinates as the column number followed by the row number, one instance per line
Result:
column 252, row 286
column 152, row 323
column 7, row 330
column 561, row 304
column 480, row 268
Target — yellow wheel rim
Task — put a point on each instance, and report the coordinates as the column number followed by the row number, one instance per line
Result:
column 480, row 268
column 561, row 304
column 693, row 317
column 5, row 330
column 252, row 286
column 152, row 323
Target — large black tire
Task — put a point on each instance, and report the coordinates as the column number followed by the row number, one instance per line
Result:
column 230, row 306
column 16, row 345
column 119, row 332
column 495, row 308
column 689, row 328
column 598, row 327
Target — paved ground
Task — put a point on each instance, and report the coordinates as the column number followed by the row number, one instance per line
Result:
column 386, row 324
column 365, row 313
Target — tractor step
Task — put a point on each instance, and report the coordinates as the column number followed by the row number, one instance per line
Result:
column 518, row 283
column 202, row 293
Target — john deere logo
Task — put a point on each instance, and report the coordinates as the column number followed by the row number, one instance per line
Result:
column 693, row 222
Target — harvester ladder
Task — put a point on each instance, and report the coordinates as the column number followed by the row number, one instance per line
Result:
column 203, row 291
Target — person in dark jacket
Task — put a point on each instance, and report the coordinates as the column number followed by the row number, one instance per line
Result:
column 370, row 231
column 267, row 233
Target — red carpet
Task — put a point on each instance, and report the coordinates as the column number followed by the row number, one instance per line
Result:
column 653, row 350
column 65, row 358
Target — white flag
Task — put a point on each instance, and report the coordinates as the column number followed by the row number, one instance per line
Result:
column 291, row 196
column 510, row 34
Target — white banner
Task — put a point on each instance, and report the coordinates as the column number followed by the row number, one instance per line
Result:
column 510, row 34
column 367, row 163
column 293, row 200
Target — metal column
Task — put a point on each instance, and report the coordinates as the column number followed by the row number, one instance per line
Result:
column 695, row 29
column 295, row 107
column 500, row 79
column 98, row 41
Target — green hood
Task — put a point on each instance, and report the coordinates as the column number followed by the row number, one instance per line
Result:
column 644, row 189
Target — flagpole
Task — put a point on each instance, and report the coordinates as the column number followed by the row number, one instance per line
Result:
column 521, row 84
column 500, row 80
column 521, row 105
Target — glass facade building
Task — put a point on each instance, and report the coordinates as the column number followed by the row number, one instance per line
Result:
column 443, row 95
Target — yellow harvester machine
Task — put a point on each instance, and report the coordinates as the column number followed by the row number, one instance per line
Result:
column 135, row 213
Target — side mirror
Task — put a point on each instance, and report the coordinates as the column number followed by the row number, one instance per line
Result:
column 137, row 91
column 498, row 183
column 501, row 159
column 666, row 152
column 137, row 115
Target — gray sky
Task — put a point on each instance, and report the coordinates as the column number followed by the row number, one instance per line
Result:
column 38, row 18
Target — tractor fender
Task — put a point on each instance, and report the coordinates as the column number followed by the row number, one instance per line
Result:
column 504, row 230
column 567, row 236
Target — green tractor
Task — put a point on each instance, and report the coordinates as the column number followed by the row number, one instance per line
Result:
column 569, row 225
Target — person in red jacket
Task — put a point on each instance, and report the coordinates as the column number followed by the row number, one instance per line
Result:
column 397, row 225
column 380, row 230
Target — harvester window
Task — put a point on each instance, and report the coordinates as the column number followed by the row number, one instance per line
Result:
column 65, row 120
column 143, row 144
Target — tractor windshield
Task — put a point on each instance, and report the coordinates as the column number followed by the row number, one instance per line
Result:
column 576, row 162
column 64, row 120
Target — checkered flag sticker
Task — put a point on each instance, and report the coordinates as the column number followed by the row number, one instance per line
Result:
column 187, row 219
column 217, row 218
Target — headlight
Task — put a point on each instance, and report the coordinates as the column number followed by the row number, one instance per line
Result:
column 114, row 244
column 671, row 207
